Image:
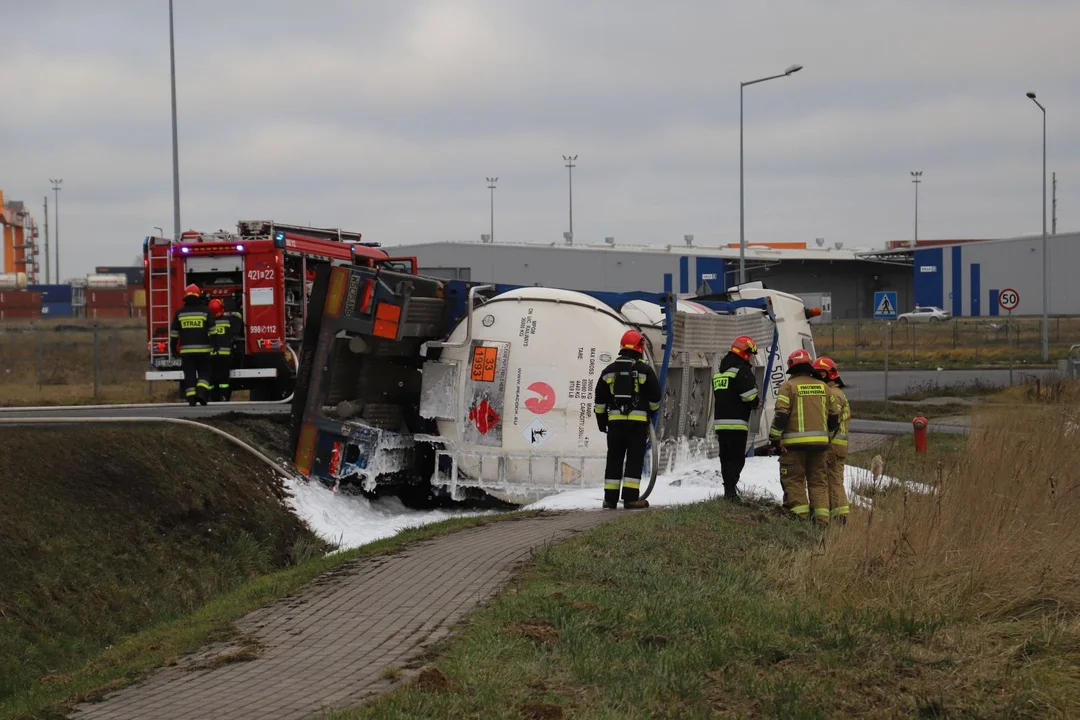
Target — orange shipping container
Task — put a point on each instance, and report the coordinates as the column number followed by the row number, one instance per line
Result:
column 23, row 313
column 20, row 299
column 108, row 298
column 99, row 313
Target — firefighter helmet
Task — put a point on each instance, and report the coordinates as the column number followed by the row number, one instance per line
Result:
column 745, row 347
column 192, row 289
column 633, row 340
column 216, row 308
column 827, row 367
column 799, row 357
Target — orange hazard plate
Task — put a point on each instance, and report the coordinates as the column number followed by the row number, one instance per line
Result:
column 483, row 364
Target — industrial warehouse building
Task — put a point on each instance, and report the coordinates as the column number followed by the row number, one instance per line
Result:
column 966, row 279
column 851, row 277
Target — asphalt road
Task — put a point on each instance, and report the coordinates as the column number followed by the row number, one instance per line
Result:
column 870, row 385
column 171, row 410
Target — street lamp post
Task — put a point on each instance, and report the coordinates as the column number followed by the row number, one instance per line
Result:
column 742, row 204
column 570, row 168
column 175, row 148
column 491, row 186
column 56, row 222
column 1045, row 260
column 916, row 178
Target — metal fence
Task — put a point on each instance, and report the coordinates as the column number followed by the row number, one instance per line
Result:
column 959, row 341
column 57, row 362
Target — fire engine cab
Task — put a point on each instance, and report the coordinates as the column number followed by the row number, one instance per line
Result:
column 263, row 272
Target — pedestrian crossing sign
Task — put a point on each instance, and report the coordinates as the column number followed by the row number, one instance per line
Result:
column 885, row 305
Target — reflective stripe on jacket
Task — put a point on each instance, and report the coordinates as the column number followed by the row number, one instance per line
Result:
column 644, row 391
column 191, row 327
column 840, row 437
column 805, row 408
column 735, row 394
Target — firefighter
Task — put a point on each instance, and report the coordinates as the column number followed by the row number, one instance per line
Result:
column 735, row 396
column 627, row 396
column 191, row 340
column 806, row 415
column 224, row 331
column 838, row 443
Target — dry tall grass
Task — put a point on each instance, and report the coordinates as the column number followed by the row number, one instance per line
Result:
column 998, row 540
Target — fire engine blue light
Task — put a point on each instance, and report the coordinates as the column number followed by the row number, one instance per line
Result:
column 280, row 235
column 240, row 248
column 185, row 249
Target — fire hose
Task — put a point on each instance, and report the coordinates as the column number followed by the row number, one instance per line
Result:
column 280, row 469
column 654, row 464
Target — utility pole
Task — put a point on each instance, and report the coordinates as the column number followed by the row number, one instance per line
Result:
column 56, row 222
column 47, row 268
column 916, row 178
column 491, row 186
column 570, row 167
column 1053, row 208
column 1045, row 255
column 175, row 150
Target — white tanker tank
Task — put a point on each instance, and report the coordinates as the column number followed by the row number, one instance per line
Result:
column 649, row 318
column 520, row 423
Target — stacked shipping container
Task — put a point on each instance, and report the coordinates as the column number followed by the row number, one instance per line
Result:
column 19, row 305
column 56, row 300
column 109, row 303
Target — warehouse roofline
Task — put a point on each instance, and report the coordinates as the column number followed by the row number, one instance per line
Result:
column 753, row 252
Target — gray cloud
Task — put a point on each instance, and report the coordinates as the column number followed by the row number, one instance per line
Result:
column 386, row 117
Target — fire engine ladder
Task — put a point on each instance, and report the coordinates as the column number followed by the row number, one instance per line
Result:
column 159, row 290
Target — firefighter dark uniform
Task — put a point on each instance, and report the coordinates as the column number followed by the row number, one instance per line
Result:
column 627, row 395
column 190, row 338
column 735, row 396
column 806, row 414
column 223, row 336
column 836, row 459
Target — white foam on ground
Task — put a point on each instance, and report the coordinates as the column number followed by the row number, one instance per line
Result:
column 349, row 521
column 700, row 481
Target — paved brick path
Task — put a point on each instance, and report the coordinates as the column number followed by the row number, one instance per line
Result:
column 330, row 645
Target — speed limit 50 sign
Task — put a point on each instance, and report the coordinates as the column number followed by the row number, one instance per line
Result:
column 1008, row 299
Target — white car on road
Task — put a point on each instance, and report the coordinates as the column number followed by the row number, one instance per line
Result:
column 927, row 313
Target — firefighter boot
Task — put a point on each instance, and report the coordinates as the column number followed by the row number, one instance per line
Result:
column 611, row 495
column 631, row 490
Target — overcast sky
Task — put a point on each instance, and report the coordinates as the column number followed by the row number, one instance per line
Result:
column 385, row 117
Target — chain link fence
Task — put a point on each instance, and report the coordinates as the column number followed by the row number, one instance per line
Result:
column 958, row 342
column 58, row 362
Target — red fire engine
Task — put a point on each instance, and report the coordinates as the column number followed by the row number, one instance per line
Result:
column 264, row 272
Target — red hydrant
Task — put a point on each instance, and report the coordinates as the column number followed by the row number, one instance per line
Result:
column 920, row 425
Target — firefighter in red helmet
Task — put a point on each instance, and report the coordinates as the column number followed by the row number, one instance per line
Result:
column 190, row 338
column 806, row 414
column 735, row 396
column 224, row 333
column 627, row 396
column 838, row 441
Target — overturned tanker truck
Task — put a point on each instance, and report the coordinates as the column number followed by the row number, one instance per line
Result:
column 460, row 390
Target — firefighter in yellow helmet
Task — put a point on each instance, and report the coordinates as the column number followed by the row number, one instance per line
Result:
column 838, row 443
column 806, row 414
column 190, row 336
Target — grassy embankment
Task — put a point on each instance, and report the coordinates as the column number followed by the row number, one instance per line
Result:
column 962, row 603
column 123, row 549
column 960, row 342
